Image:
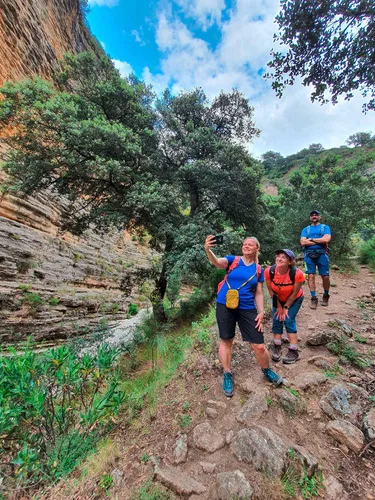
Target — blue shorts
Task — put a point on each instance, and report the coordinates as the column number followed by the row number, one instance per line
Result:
column 322, row 262
column 290, row 322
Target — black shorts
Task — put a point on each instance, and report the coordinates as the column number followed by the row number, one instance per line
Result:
column 227, row 319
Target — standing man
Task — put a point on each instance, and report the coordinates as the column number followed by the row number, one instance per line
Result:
column 315, row 239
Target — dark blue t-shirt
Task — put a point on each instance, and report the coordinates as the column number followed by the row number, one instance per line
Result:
column 236, row 278
column 315, row 232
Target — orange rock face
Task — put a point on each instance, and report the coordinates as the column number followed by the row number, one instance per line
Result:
column 34, row 34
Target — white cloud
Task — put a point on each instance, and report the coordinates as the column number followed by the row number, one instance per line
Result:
column 247, row 35
column 294, row 122
column 205, row 12
column 124, row 68
column 288, row 124
column 102, row 44
column 138, row 38
column 106, row 3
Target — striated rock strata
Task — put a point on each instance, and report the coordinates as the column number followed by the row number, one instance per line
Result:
column 34, row 34
column 53, row 285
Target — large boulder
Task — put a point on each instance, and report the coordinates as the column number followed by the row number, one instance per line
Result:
column 346, row 433
column 254, row 407
column 178, row 481
column 289, row 402
column 322, row 337
column 340, row 402
column 233, row 485
column 206, row 438
column 261, row 447
column 306, row 380
column 369, row 425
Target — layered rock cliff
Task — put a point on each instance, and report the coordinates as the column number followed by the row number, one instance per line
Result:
column 34, row 34
column 53, row 285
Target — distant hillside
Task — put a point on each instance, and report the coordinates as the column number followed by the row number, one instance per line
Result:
column 278, row 168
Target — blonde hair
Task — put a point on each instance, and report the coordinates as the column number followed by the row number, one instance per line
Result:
column 257, row 244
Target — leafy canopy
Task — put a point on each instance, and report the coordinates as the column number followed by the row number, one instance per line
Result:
column 330, row 45
column 174, row 167
column 361, row 139
column 344, row 193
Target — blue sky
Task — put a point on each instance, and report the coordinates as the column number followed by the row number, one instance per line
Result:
column 218, row 45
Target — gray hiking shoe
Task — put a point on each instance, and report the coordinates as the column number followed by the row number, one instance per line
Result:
column 291, row 357
column 275, row 351
column 325, row 300
column 314, row 303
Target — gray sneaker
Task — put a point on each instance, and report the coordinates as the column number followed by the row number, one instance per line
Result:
column 314, row 303
column 291, row 357
column 275, row 351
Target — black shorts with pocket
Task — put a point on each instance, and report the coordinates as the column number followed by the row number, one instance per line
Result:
column 227, row 319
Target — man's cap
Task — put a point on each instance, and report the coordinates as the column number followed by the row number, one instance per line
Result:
column 315, row 212
column 287, row 252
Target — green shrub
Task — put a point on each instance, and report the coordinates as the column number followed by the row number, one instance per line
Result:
column 54, row 407
column 367, row 253
column 25, row 287
column 115, row 308
column 133, row 309
column 53, row 301
column 32, row 299
column 23, row 266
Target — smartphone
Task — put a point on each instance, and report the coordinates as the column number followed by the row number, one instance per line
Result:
column 219, row 239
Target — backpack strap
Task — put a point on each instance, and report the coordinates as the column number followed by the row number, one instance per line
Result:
column 292, row 276
column 259, row 271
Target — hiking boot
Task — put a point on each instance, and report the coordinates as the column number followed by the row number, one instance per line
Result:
column 314, row 303
column 272, row 377
column 291, row 357
column 275, row 351
column 228, row 384
column 325, row 299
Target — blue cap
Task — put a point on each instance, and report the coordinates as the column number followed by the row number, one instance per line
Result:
column 287, row 252
column 314, row 212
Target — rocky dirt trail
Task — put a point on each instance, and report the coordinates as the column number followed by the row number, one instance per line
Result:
column 321, row 424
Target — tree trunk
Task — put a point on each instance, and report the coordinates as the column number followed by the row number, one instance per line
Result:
column 161, row 283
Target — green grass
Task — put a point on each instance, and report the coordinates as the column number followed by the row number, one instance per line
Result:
column 25, row 287
column 144, row 458
column 185, row 420
column 152, row 491
column 292, row 391
column 360, row 339
column 53, row 301
column 341, row 347
column 297, row 484
column 334, row 371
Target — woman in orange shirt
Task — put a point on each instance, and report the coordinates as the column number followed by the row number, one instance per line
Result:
column 284, row 283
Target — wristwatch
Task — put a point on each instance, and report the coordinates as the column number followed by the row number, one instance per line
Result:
column 286, row 307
